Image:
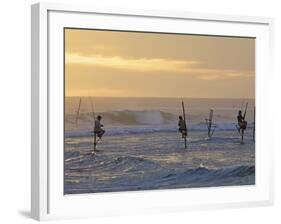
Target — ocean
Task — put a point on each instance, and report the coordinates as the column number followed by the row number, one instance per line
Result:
column 143, row 150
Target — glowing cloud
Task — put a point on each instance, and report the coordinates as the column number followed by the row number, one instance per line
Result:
column 140, row 64
column 192, row 68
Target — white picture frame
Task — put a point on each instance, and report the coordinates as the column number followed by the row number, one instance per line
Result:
column 47, row 198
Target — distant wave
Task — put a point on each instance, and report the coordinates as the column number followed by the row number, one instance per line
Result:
column 129, row 117
column 205, row 174
column 138, row 122
column 127, row 130
column 131, row 163
column 124, row 172
column 142, row 129
column 138, row 163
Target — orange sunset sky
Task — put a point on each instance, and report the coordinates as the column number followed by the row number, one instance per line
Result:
column 134, row 64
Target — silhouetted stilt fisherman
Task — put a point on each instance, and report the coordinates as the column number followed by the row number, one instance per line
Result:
column 242, row 123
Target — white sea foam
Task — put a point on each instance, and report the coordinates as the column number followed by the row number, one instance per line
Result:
column 135, row 130
column 158, row 161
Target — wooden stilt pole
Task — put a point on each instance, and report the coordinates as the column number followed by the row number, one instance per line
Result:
column 210, row 122
column 94, row 118
column 184, row 118
column 245, row 111
column 185, row 145
column 95, row 141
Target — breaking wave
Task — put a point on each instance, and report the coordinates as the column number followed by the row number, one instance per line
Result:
column 204, row 173
column 137, row 122
column 129, row 117
column 141, row 129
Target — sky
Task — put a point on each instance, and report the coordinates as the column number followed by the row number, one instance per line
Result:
column 137, row 64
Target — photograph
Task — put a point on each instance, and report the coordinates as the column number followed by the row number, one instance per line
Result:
column 156, row 111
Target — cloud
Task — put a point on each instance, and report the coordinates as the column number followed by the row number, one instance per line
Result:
column 150, row 65
column 215, row 74
column 106, row 92
column 140, row 64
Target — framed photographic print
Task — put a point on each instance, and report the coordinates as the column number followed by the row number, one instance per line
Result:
column 148, row 111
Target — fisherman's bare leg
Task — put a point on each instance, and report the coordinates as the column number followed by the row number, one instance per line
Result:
column 100, row 134
column 183, row 134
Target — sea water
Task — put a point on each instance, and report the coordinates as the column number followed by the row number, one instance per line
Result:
column 143, row 150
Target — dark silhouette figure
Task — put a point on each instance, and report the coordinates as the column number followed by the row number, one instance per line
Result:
column 182, row 127
column 98, row 127
column 242, row 124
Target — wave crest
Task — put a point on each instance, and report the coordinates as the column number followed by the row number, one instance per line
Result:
column 129, row 117
column 205, row 174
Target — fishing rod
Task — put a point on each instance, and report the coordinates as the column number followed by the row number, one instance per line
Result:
column 245, row 111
